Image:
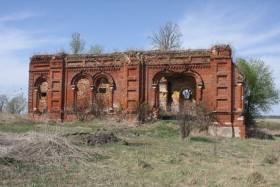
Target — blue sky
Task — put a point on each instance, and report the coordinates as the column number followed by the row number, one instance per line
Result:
column 31, row 27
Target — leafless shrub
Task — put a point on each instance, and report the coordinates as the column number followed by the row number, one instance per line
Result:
column 145, row 113
column 101, row 107
column 120, row 113
column 96, row 49
column 83, row 109
column 191, row 116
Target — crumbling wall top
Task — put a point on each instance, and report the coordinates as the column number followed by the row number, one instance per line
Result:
column 136, row 54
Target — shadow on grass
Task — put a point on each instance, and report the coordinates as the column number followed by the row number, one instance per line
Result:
column 10, row 161
column 135, row 143
column 259, row 134
column 201, row 139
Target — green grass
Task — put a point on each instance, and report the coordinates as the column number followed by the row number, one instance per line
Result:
column 18, row 128
column 155, row 156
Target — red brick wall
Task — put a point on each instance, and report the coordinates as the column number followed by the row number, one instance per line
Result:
column 133, row 77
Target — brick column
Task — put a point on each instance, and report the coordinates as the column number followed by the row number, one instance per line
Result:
column 92, row 87
column 240, row 89
column 111, row 109
column 73, row 87
column 199, row 92
column 154, row 86
column 35, row 99
column 240, row 95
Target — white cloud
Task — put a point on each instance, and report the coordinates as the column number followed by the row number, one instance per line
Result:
column 247, row 31
column 223, row 24
column 17, row 45
column 15, row 17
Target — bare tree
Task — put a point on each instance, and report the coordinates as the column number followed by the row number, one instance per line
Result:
column 167, row 38
column 96, row 49
column 3, row 102
column 77, row 44
column 16, row 105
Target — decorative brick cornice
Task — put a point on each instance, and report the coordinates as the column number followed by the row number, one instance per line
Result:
column 41, row 73
column 181, row 67
column 94, row 69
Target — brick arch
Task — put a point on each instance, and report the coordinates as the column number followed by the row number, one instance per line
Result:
column 41, row 86
column 160, row 74
column 40, row 80
column 82, row 96
column 195, row 83
column 104, row 99
column 100, row 75
column 80, row 76
column 197, row 77
column 192, row 73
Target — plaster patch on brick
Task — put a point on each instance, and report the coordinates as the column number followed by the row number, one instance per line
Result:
column 224, row 131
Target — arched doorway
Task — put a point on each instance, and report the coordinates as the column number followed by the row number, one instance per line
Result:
column 83, row 93
column 42, row 96
column 103, row 92
column 103, row 95
column 174, row 89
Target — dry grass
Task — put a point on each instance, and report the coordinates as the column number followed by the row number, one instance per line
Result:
column 269, row 123
column 154, row 156
column 41, row 148
column 6, row 118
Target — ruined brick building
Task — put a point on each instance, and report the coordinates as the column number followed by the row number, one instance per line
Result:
column 60, row 84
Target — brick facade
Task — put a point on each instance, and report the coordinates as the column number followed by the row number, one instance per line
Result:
column 59, row 84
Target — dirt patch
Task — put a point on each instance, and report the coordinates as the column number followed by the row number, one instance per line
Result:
column 97, row 139
column 101, row 138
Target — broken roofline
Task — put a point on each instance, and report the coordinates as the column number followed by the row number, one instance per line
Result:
column 140, row 53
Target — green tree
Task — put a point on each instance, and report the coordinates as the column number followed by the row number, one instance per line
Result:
column 167, row 38
column 16, row 105
column 77, row 44
column 260, row 90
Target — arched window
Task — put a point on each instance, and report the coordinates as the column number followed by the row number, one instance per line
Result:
column 103, row 94
column 43, row 93
column 83, row 101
